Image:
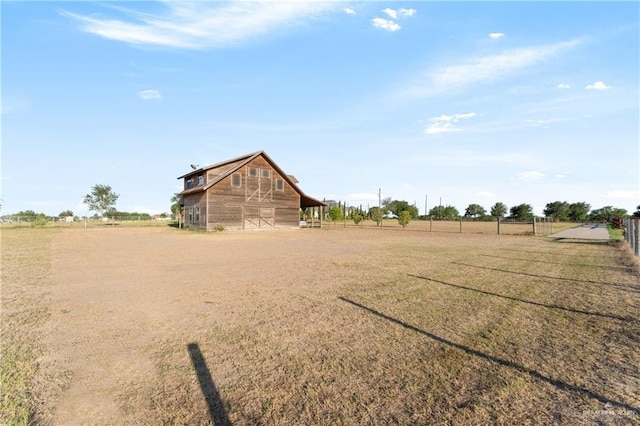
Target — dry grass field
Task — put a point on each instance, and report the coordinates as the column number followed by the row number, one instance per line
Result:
column 115, row 325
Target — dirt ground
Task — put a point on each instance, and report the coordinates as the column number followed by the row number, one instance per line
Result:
column 157, row 325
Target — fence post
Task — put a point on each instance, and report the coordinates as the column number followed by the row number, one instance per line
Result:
column 636, row 245
column 534, row 225
column 461, row 224
column 430, row 223
column 498, row 225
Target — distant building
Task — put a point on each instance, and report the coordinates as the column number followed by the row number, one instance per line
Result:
column 248, row 192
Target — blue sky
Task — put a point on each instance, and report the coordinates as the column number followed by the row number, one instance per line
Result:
column 468, row 102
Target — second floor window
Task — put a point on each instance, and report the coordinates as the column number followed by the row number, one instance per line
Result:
column 200, row 180
column 190, row 183
column 236, row 180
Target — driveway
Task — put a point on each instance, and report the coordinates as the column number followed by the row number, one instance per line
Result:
column 588, row 231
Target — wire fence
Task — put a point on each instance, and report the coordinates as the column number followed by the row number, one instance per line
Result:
column 631, row 227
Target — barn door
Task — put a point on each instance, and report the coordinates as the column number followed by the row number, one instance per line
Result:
column 259, row 217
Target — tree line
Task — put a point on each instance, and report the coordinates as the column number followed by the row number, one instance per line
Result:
column 405, row 212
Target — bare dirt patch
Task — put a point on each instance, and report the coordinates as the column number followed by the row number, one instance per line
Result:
column 154, row 325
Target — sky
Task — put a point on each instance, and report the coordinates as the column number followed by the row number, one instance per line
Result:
column 427, row 102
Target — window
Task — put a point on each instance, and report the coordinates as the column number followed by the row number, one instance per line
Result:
column 190, row 183
column 279, row 184
column 253, row 172
column 200, row 180
column 236, row 180
column 266, row 173
column 190, row 215
column 197, row 215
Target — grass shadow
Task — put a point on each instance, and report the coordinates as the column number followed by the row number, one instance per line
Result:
column 623, row 268
column 562, row 385
column 530, row 302
column 217, row 410
column 628, row 288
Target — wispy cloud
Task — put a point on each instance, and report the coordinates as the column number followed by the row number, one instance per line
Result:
column 529, row 176
column 389, row 25
column 481, row 70
column 349, row 11
column 150, row 95
column 200, row 25
column 446, row 123
column 495, row 36
column 563, row 86
column 598, row 85
column 385, row 24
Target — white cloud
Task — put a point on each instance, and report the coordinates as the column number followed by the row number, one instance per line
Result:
column 385, row 24
column 560, row 176
column 392, row 13
column 407, row 12
column 598, row 85
column 563, row 86
column 621, row 193
column 197, row 25
column 446, row 123
column 529, row 176
column 495, row 36
column 482, row 69
column 349, row 11
column 148, row 95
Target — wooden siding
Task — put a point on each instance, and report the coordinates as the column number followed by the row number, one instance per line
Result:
column 191, row 202
column 255, row 204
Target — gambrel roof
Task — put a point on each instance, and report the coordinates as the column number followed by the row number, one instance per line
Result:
column 235, row 164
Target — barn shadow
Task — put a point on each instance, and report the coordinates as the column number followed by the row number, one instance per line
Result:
column 217, row 410
column 529, row 302
column 550, row 262
column 562, row 385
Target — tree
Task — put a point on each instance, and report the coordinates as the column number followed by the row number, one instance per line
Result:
column 558, row 210
column 356, row 216
column 579, row 212
column 335, row 213
column 444, row 212
column 376, row 213
column 607, row 213
column 176, row 208
column 475, row 211
column 498, row 210
column 65, row 213
column 637, row 212
column 404, row 218
column 101, row 199
column 522, row 212
column 398, row 206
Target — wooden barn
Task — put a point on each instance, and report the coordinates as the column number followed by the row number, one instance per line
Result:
column 248, row 192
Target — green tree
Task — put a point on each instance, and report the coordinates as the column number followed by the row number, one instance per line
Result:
column 522, row 212
column 444, row 212
column 101, row 199
column 398, row 206
column 579, row 212
column 404, row 218
column 637, row 212
column 65, row 213
column 176, row 209
column 557, row 210
column 335, row 213
column 475, row 211
column 356, row 216
column 607, row 213
column 499, row 210
column 376, row 213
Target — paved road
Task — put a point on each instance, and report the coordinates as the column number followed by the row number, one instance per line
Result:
column 590, row 231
